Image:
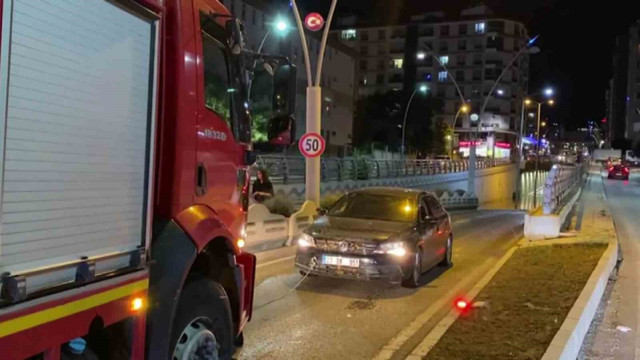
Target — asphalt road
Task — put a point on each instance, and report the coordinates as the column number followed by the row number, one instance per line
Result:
column 615, row 333
column 325, row 318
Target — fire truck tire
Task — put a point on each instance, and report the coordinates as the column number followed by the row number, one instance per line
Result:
column 202, row 328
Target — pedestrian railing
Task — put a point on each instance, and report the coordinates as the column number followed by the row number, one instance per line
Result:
column 291, row 169
column 562, row 179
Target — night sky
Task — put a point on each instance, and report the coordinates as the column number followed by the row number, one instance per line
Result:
column 576, row 39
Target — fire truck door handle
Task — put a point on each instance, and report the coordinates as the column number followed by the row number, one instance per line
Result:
column 201, row 180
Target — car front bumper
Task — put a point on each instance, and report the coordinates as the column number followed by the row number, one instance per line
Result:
column 375, row 267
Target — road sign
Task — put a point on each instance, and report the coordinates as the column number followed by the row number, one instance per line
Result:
column 314, row 21
column 311, row 145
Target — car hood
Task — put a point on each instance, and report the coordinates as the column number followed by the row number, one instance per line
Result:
column 350, row 228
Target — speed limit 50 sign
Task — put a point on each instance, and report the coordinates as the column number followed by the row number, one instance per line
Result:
column 311, row 145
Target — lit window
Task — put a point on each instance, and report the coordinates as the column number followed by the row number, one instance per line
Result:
column 397, row 63
column 444, row 60
column 480, row 28
column 349, row 34
column 442, row 76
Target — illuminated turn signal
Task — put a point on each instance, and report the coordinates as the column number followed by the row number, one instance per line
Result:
column 137, row 304
column 240, row 243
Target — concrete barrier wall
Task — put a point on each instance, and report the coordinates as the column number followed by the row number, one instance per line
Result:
column 492, row 184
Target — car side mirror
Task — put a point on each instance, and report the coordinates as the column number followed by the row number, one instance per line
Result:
column 322, row 211
column 282, row 129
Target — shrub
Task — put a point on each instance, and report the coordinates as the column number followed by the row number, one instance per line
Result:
column 328, row 201
column 280, row 204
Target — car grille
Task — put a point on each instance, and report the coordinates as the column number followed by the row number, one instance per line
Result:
column 346, row 246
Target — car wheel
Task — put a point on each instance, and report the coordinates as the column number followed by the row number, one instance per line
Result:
column 413, row 278
column 448, row 254
column 202, row 328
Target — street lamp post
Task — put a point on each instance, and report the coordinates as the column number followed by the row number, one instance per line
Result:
column 281, row 27
column 314, row 100
column 535, row 174
column 526, row 101
column 530, row 49
column 422, row 89
column 465, row 109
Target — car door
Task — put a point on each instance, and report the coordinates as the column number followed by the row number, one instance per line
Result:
column 219, row 153
column 441, row 221
column 427, row 233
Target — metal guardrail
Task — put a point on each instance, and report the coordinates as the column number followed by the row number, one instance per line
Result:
column 561, row 181
column 291, row 169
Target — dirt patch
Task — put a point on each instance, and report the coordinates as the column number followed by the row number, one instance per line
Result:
column 524, row 305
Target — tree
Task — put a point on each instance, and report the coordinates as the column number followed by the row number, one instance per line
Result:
column 442, row 138
column 379, row 119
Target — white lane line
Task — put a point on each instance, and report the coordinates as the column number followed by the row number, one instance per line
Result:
column 275, row 261
column 407, row 333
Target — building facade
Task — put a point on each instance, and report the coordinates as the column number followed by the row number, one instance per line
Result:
column 623, row 102
column 475, row 48
column 337, row 75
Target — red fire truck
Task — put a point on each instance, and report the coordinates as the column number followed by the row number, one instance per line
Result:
column 125, row 140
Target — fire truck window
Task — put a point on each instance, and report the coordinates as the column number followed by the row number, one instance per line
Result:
column 217, row 85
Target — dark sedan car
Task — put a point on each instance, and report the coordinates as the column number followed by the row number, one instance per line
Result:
column 378, row 233
column 618, row 171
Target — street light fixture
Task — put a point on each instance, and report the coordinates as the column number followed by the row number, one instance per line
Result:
column 421, row 55
column 281, row 27
column 500, row 92
column 548, row 92
column 551, row 102
column 529, row 49
column 423, row 89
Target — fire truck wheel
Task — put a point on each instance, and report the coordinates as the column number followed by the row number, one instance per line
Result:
column 202, row 328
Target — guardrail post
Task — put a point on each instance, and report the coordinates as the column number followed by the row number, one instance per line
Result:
column 377, row 168
column 339, row 169
column 355, row 169
column 323, row 169
column 285, row 174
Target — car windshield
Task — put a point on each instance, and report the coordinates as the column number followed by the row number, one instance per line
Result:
column 385, row 207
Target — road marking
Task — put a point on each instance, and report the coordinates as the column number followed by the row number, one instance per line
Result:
column 407, row 333
column 441, row 327
column 275, row 261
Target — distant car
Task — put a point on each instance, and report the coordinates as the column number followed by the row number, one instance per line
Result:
column 618, row 171
column 378, row 233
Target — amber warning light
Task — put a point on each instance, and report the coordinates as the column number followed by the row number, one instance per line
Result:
column 137, row 304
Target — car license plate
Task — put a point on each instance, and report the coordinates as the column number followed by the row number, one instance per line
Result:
column 618, row 173
column 340, row 261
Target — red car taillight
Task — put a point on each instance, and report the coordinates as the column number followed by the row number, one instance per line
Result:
column 626, row 170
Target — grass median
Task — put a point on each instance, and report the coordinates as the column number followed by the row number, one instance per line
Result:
column 523, row 306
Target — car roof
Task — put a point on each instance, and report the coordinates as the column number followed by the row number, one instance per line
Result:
column 394, row 191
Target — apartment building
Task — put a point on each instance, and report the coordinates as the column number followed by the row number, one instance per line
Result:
column 474, row 48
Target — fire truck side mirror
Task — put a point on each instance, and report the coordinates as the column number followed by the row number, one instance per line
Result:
column 282, row 126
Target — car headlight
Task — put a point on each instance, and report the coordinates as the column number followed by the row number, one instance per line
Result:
column 306, row 240
column 391, row 248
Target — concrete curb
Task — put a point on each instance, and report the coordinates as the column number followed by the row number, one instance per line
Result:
column 540, row 227
column 438, row 331
column 568, row 340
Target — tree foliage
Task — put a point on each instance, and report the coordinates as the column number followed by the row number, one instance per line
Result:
column 379, row 119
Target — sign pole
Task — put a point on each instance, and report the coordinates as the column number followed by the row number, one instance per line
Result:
column 312, row 169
